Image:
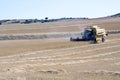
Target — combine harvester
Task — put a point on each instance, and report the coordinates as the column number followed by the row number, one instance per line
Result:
column 92, row 33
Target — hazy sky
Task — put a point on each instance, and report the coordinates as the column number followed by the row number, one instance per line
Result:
column 19, row 9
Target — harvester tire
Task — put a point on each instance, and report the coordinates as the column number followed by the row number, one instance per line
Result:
column 103, row 39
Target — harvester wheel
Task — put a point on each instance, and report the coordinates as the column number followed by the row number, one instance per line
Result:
column 103, row 39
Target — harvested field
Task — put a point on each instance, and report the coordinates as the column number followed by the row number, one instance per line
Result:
column 58, row 58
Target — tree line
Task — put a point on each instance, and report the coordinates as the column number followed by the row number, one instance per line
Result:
column 28, row 21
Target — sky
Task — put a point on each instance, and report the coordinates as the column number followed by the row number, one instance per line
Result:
column 39, row 9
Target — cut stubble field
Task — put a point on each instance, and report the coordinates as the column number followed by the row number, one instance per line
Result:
column 58, row 58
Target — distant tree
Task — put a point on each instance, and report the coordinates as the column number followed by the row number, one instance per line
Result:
column 46, row 19
column 35, row 20
column 0, row 23
column 42, row 20
column 27, row 21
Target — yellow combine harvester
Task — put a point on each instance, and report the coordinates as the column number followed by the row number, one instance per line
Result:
column 93, row 33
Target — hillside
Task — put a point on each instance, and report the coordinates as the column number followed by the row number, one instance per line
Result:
column 116, row 15
column 28, row 21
